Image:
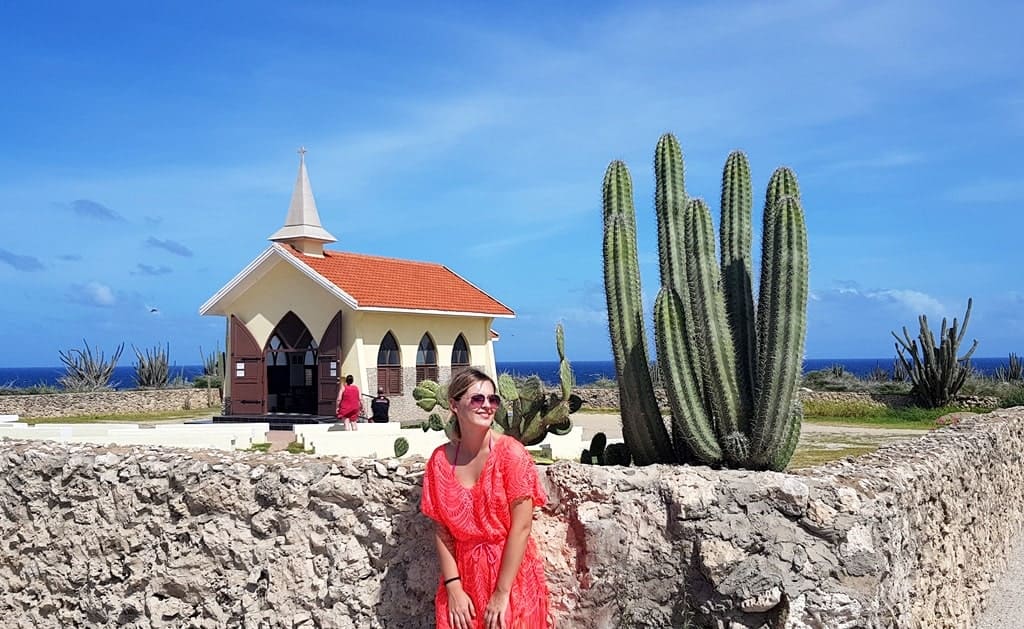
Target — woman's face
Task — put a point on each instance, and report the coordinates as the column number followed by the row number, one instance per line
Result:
column 477, row 406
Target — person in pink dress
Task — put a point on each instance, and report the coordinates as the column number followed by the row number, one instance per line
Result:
column 481, row 489
column 349, row 404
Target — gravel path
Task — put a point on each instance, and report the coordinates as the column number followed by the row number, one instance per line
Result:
column 1004, row 606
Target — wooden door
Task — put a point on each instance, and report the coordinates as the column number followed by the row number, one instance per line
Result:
column 247, row 372
column 329, row 368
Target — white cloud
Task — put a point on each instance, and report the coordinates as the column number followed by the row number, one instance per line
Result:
column 92, row 294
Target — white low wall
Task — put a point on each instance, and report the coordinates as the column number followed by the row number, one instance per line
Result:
column 378, row 441
column 240, row 436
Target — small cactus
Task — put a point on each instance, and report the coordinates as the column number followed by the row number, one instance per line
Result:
column 528, row 412
column 595, row 453
column 601, row 452
column 401, row 447
column 617, row 454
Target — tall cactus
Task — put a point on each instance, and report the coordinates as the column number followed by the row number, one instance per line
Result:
column 643, row 430
column 730, row 371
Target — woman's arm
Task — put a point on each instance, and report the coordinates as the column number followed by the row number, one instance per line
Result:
column 460, row 606
column 511, row 559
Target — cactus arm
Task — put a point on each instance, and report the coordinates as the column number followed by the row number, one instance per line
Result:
column 670, row 208
column 735, row 238
column 642, row 426
column 690, row 421
column 669, row 202
column 781, row 458
column 782, row 314
column 714, row 337
column 782, row 183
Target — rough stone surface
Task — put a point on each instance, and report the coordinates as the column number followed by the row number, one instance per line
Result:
column 909, row 536
column 108, row 402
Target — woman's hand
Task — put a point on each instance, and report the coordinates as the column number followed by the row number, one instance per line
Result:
column 496, row 614
column 460, row 607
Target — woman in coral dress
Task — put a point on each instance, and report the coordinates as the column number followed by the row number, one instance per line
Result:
column 481, row 489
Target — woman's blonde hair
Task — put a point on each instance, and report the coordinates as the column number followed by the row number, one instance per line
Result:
column 457, row 387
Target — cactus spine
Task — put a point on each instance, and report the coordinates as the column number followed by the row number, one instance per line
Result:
column 730, row 371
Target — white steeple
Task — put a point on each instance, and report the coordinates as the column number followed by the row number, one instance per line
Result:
column 302, row 227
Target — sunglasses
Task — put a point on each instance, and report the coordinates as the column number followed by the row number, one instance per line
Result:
column 477, row 400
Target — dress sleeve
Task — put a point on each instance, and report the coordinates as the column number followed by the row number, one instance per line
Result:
column 429, row 500
column 520, row 475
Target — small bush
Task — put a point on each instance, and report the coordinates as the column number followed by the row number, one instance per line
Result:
column 204, row 382
column 604, row 383
column 296, row 447
column 35, row 389
column 828, row 380
column 1013, row 398
column 259, row 447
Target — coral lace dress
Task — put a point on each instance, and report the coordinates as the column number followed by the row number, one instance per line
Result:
column 479, row 520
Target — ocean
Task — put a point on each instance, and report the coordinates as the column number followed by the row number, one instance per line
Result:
column 586, row 371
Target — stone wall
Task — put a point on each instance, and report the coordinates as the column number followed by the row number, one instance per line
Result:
column 910, row 536
column 609, row 398
column 108, row 402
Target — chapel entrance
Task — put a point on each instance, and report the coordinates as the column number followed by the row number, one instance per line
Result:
column 291, row 358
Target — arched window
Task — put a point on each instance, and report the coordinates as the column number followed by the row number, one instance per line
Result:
column 389, row 366
column 426, row 360
column 460, row 355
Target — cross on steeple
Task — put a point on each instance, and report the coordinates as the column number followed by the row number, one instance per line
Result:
column 302, row 153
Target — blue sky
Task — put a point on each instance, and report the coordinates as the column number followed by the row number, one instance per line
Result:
column 148, row 151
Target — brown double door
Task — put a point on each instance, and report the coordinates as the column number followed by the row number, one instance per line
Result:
column 248, row 372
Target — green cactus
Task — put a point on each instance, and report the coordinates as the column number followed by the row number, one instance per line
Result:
column 642, row 426
column 595, row 453
column 401, row 447
column 430, row 395
column 730, row 371
column 528, row 412
column 937, row 372
column 617, row 454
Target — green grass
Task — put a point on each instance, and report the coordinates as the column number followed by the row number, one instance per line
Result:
column 909, row 417
column 135, row 418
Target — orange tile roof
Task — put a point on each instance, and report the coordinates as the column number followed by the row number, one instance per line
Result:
column 376, row 281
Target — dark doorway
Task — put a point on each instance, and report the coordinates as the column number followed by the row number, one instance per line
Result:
column 291, row 358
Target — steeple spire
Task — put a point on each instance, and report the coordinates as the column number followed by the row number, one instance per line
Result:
column 302, row 227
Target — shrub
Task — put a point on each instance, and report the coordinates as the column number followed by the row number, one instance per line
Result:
column 207, row 382
column 296, row 447
column 827, row 380
column 35, row 389
column 1014, row 398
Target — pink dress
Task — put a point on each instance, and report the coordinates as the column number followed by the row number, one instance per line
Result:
column 479, row 520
